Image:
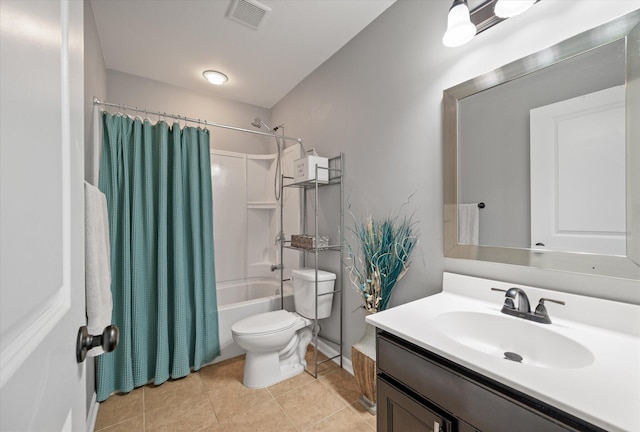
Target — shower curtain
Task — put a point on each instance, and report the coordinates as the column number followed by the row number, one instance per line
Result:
column 157, row 180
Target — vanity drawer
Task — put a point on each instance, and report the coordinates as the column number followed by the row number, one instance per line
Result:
column 465, row 396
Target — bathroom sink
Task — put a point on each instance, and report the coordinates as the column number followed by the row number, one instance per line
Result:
column 514, row 339
column 564, row 364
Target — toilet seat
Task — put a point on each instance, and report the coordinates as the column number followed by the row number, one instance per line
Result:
column 265, row 323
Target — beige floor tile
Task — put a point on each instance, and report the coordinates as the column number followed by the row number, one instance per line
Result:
column 310, row 403
column 234, row 399
column 192, row 414
column 120, row 407
column 323, row 368
column 214, row 400
column 135, row 424
column 345, row 420
column 227, row 372
column 290, row 384
column 213, row 428
column 343, row 383
column 172, row 392
column 267, row 416
column 366, row 415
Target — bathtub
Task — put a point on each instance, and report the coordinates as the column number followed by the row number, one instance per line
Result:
column 241, row 299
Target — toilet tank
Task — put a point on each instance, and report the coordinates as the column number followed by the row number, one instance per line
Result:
column 304, row 292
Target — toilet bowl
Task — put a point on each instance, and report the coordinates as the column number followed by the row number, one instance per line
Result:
column 276, row 342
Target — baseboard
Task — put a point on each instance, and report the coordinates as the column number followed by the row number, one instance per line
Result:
column 327, row 350
column 92, row 415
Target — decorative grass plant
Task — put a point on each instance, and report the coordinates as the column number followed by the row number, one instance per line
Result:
column 381, row 258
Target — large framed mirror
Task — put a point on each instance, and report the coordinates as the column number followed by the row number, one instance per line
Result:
column 542, row 157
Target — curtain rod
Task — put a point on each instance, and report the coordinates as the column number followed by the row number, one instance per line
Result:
column 192, row 120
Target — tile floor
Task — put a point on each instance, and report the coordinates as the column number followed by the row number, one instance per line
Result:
column 214, row 400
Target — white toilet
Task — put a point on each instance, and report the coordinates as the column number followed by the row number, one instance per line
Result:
column 276, row 342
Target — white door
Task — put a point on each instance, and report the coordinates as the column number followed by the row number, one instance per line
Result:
column 42, row 388
column 578, row 174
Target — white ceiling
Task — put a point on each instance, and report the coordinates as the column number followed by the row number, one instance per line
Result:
column 175, row 41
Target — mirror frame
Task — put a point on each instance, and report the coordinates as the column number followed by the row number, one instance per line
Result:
column 628, row 267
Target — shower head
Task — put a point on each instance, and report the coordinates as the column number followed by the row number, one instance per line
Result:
column 257, row 122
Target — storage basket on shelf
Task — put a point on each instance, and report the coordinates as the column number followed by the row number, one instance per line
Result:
column 306, row 241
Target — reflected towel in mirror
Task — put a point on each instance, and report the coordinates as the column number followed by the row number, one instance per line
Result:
column 468, row 223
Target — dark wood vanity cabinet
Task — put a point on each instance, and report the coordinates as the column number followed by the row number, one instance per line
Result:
column 421, row 391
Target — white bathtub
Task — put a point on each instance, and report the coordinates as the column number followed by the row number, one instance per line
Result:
column 241, row 299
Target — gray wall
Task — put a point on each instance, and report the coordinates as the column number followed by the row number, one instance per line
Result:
column 95, row 85
column 379, row 100
column 157, row 96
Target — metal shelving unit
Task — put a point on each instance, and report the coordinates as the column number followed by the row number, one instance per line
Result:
column 335, row 179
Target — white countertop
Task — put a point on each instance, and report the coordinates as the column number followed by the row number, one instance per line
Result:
column 605, row 393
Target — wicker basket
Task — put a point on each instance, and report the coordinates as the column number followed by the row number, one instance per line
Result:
column 306, row 241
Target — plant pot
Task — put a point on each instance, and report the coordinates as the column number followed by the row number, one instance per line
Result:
column 363, row 359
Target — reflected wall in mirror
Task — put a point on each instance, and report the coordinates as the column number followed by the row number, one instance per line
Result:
column 542, row 143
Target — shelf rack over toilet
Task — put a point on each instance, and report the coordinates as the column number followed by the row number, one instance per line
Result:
column 335, row 178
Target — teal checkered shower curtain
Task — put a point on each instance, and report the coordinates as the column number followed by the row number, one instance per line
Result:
column 157, row 180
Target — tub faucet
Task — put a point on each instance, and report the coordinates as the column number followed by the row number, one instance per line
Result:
column 275, row 267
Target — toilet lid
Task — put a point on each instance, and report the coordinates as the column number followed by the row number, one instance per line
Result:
column 268, row 322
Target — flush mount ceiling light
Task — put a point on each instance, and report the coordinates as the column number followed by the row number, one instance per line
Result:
column 511, row 8
column 460, row 30
column 215, row 77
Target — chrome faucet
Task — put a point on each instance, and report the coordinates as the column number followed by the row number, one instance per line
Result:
column 516, row 303
column 517, row 299
column 275, row 267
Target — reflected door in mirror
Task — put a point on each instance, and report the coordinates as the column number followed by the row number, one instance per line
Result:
column 578, row 174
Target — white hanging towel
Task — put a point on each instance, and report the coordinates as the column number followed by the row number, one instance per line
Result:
column 468, row 224
column 97, row 263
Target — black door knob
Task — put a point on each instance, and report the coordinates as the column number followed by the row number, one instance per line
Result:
column 108, row 340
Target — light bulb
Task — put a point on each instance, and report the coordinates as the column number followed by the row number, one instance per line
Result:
column 215, row 77
column 511, row 8
column 460, row 29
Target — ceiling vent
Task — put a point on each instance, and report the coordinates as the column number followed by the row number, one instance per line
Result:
column 248, row 12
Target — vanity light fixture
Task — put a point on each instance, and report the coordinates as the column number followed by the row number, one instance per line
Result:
column 215, row 77
column 460, row 30
column 463, row 24
column 511, row 8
